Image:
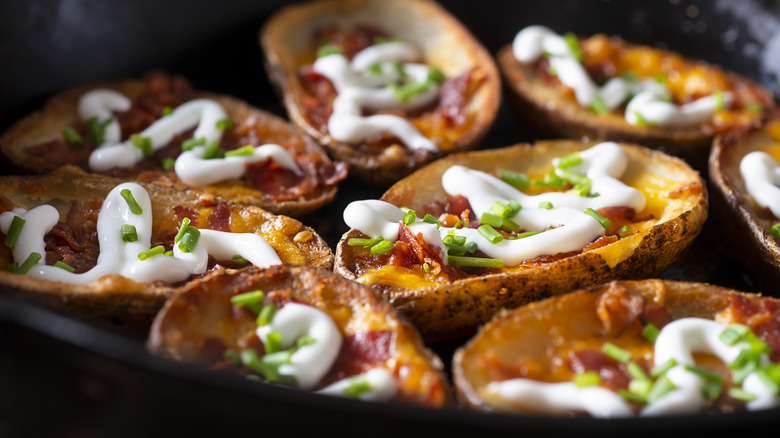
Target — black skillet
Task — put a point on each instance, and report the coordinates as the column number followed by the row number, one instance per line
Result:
column 67, row 378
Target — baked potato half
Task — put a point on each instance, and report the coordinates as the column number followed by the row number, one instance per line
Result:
column 422, row 85
column 111, row 271
column 608, row 88
column 184, row 137
column 360, row 349
column 623, row 349
column 446, row 289
column 743, row 204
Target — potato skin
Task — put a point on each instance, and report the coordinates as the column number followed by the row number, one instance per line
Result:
column 445, row 44
column 203, row 312
column 548, row 114
column 505, row 334
column 60, row 112
column 458, row 308
column 746, row 223
column 120, row 302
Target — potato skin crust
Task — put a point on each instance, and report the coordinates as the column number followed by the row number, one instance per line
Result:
column 60, row 112
column 456, row 309
column 202, row 312
column 504, row 335
column 445, row 44
column 120, row 302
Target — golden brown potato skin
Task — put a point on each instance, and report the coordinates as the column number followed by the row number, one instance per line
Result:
column 457, row 308
column 445, row 43
column 746, row 225
column 203, row 311
column 548, row 114
column 61, row 112
column 121, row 302
column 549, row 328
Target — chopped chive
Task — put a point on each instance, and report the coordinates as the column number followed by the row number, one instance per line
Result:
column 405, row 93
column 491, row 219
column 705, row 374
column 12, row 267
column 159, row 249
column 640, row 119
column 574, row 178
column 328, row 50
column 574, row 45
column 250, row 300
column 502, row 209
column 636, row 371
column 366, row 243
column 775, row 230
column 640, row 387
column 225, row 123
column 456, row 250
column 763, row 374
column 662, row 368
column 188, row 145
column 741, row 395
column 711, row 390
column 650, row 332
column 213, row 151
column 62, row 265
column 570, row 160
column 381, row 248
column 471, row 247
column 231, row 356
column 615, row 352
column 475, row 262
column 630, row 396
column 167, row 111
column 143, row 143
column 374, row 69
column 169, row 253
column 546, row 205
column 128, row 233
column 72, row 137
column 436, row 76
column 17, row 223
column 426, row 267
column 189, row 240
column 551, row 179
column 606, row 223
column 357, row 387
column 490, row 233
column 660, row 78
column 431, row 220
column 629, row 76
column 509, row 225
column 304, row 341
column 451, row 239
column 588, row 378
column 527, row 234
column 168, row 163
column 733, row 334
column 409, row 217
column 720, row 102
column 97, row 129
column 599, row 106
column 132, row 204
column 31, row 261
column 242, row 151
column 183, row 227
column 624, row 229
column 661, row 387
column 266, row 315
column 755, row 108
column 273, row 342
column 239, row 259
column 515, row 179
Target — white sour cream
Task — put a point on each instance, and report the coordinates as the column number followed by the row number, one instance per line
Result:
column 120, row 257
column 650, row 103
column 762, row 177
column 603, row 164
column 678, row 340
column 309, row 363
column 359, row 89
column 382, row 385
column 190, row 166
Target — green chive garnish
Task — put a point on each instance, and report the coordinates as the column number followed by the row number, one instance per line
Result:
column 606, row 223
column 775, row 230
column 409, row 217
column 273, row 342
column 720, row 102
column 711, row 390
column 661, row 369
column 381, row 247
column 128, row 233
column 624, row 229
column 755, row 107
column 31, row 261
column 574, row 45
column 661, row 387
column 266, row 315
column 168, row 163
column 374, row 69
column 72, row 137
column 188, row 145
column 705, row 374
column 431, row 220
column 213, row 151
column 131, row 202
column 503, row 210
column 640, row 119
column 588, row 378
column 452, row 239
column 546, row 205
column 167, row 111
column 366, row 243
column 17, row 223
column 62, row 265
column 328, row 50
column 183, row 227
column 97, row 129
column 239, row 259
column 615, row 352
column 226, row 123
column 490, row 233
column 189, row 240
column 143, row 143
column 650, row 332
column 515, row 179
column 742, row 395
column 435, row 75
column 250, row 300
column 159, row 249
column 357, row 387
column 475, row 262
column 599, row 106
column 733, row 334
column 527, row 234
column 242, row 151
column 426, row 267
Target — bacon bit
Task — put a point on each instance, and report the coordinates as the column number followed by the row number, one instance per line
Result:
column 659, row 316
column 219, row 218
column 694, row 188
column 449, row 220
column 600, row 243
column 619, row 216
column 182, row 212
column 351, row 39
column 611, row 372
column 762, row 316
column 452, row 103
column 618, row 309
column 360, row 352
column 497, row 370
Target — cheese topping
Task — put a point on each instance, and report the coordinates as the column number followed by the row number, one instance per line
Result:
column 120, row 257
column 192, row 167
column 603, row 164
column 762, row 178
column 650, row 104
column 366, row 83
column 678, row 340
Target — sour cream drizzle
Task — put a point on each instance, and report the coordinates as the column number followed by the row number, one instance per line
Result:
column 382, row 385
column 358, row 90
column 603, row 164
column 762, row 177
column 120, row 257
column 190, row 166
column 650, row 99
column 678, row 340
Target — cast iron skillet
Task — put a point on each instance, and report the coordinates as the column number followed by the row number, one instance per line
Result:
column 64, row 377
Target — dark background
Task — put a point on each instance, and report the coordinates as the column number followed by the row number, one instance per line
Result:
column 66, row 378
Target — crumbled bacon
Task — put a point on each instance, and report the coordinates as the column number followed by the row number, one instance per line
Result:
column 610, row 371
column 619, row 308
